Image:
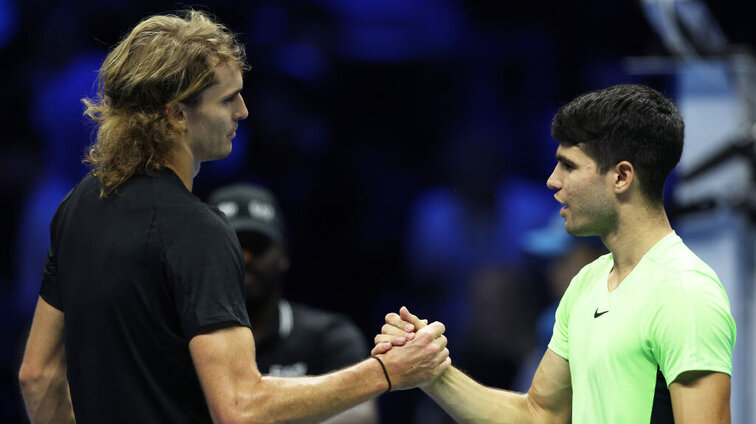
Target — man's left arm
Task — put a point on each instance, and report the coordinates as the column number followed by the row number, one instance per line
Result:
column 694, row 336
column 701, row 397
column 44, row 384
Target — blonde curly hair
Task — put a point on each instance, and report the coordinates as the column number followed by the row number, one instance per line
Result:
column 164, row 59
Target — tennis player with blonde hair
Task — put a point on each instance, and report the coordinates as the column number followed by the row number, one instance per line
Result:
column 141, row 316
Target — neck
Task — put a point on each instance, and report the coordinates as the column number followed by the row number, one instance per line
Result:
column 638, row 230
column 184, row 165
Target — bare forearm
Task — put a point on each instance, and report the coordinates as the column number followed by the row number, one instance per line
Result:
column 468, row 401
column 312, row 399
column 47, row 399
column 44, row 384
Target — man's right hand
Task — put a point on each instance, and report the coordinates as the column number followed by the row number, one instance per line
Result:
column 398, row 330
column 419, row 357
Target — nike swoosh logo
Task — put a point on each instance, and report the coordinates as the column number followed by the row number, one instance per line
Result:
column 598, row 314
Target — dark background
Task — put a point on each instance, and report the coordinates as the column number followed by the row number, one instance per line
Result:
column 365, row 116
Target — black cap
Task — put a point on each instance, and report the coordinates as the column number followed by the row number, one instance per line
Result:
column 250, row 208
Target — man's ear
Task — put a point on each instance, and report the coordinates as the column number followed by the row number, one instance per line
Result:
column 175, row 113
column 624, row 177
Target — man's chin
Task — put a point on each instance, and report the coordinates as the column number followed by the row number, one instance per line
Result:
column 218, row 154
column 577, row 231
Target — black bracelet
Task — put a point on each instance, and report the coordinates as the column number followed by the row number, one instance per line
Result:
column 388, row 380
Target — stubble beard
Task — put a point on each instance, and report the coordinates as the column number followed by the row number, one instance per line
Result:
column 598, row 220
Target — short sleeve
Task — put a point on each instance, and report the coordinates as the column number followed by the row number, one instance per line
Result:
column 206, row 265
column 560, row 339
column 50, row 288
column 694, row 329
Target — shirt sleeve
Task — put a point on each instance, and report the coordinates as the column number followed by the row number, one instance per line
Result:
column 50, row 288
column 207, row 269
column 560, row 340
column 693, row 330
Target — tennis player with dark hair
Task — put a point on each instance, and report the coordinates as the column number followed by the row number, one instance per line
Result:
column 642, row 334
column 141, row 316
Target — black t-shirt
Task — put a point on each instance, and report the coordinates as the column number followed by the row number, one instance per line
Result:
column 309, row 342
column 137, row 275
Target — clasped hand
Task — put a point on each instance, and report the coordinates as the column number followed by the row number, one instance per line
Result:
column 413, row 351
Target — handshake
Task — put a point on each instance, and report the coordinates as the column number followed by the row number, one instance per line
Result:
column 412, row 352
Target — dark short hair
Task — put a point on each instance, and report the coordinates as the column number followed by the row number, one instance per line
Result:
column 628, row 122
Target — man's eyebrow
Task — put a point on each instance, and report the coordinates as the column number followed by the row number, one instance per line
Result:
column 562, row 158
column 234, row 93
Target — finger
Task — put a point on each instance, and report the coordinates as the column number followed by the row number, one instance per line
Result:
column 441, row 356
column 397, row 321
column 380, row 349
column 395, row 341
column 445, row 365
column 390, row 330
column 434, row 329
column 441, row 342
column 407, row 316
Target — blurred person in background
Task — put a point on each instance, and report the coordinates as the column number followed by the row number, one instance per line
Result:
column 291, row 339
column 141, row 315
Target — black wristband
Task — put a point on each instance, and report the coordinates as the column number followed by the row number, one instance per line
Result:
column 388, row 380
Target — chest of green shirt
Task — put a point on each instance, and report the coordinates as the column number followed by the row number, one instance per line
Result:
column 609, row 333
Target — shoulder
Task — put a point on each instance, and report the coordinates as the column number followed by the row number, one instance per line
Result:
column 688, row 315
column 179, row 213
column 87, row 187
column 672, row 254
column 674, row 267
column 687, row 295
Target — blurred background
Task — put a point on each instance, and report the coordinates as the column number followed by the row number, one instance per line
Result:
column 409, row 143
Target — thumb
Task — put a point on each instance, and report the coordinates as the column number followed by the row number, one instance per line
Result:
column 405, row 314
column 380, row 349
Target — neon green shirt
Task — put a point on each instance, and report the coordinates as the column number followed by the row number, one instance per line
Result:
column 670, row 313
